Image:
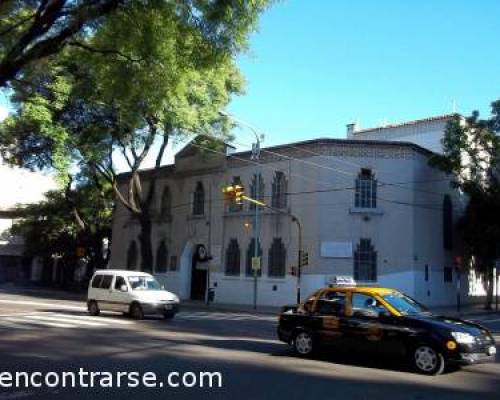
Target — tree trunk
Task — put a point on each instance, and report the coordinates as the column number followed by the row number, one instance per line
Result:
column 145, row 242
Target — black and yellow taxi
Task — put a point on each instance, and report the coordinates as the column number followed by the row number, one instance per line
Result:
column 387, row 322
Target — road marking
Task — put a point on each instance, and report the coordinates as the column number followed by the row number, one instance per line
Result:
column 29, row 320
column 58, row 320
column 43, row 304
column 97, row 319
column 64, row 320
column 12, row 325
column 218, row 316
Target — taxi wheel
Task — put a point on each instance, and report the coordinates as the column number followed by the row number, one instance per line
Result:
column 303, row 343
column 93, row 308
column 136, row 311
column 427, row 360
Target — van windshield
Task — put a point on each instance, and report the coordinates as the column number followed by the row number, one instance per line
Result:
column 143, row 283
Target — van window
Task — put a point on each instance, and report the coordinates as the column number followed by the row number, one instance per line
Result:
column 119, row 282
column 96, row 282
column 106, row 281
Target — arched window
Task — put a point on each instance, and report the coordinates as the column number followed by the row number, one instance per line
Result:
column 199, row 200
column 277, row 259
column 233, row 256
column 366, row 190
column 233, row 206
column 132, row 255
column 161, row 258
column 166, row 203
column 250, row 255
column 447, row 222
column 257, row 189
column 280, row 187
column 365, row 261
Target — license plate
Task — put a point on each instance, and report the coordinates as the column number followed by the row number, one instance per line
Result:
column 168, row 306
column 492, row 350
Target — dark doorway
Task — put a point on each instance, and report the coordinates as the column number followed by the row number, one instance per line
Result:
column 198, row 280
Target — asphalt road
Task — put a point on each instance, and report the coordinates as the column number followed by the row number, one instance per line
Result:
column 46, row 335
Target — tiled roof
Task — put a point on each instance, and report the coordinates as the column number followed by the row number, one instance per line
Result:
column 443, row 117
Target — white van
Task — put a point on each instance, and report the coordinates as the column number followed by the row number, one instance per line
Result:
column 130, row 292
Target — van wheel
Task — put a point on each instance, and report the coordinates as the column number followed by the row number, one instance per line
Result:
column 136, row 311
column 93, row 308
column 303, row 343
column 168, row 315
column 427, row 360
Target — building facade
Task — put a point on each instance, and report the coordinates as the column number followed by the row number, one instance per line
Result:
column 369, row 209
column 20, row 187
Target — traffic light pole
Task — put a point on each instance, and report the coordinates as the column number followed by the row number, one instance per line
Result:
column 299, row 230
column 300, row 252
column 256, row 153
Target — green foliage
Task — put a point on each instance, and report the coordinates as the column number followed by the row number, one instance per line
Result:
column 54, row 220
column 471, row 155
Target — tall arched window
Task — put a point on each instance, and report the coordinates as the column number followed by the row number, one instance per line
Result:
column 280, row 187
column 233, row 256
column 199, row 200
column 366, row 190
column 256, row 189
column 161, row 258
column 250, row 255
column 132, row 255
column 277, row 259
column 365, row 261
column 447, row 222
column 166, row 203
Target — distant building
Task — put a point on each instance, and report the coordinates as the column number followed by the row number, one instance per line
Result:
column 426, row 132
column 19, row 187
column 370, row 209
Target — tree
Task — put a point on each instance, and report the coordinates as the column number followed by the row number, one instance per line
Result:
column 164, row 79
column 32, row 30
column 472, row 156
column 67, row 220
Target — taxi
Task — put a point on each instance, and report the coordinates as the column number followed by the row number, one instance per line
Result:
column 387, row 322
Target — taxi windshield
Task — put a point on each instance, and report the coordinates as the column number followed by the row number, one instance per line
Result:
column 404, row 304
column 143, row 283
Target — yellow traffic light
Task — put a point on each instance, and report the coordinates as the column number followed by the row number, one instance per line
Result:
column 239, row 191
column 233, row 194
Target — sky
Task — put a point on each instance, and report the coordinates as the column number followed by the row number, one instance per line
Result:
column 316, row 65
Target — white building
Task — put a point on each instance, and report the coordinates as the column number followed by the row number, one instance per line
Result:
column 19, row 187
column 426, row 132
column 371, row 209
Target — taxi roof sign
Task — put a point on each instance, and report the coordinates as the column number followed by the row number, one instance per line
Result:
column 341, row 280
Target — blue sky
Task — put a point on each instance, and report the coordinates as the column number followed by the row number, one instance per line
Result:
column 316, row 65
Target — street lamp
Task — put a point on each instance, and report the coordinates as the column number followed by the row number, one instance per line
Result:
column 255, row 157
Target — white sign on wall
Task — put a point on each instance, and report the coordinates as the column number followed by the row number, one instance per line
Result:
column 336, row 249
column 216, row 255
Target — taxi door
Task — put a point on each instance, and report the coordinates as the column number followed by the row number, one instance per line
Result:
column 330, row 316
column 365, row 329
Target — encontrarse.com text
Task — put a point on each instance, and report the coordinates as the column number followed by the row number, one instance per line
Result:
column 91, row 379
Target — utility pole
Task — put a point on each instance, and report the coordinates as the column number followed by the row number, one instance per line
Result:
column 256, row 158
column 300, row 253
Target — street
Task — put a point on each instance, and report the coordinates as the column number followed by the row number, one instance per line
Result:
column 44, row 334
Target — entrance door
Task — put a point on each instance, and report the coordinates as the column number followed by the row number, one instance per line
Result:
column 198, row 282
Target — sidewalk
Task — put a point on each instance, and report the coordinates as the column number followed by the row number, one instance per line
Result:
column 466, row 311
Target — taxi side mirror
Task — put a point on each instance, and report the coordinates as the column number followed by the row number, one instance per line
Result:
column 123, row 288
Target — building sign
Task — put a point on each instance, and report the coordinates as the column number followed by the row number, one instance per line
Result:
column 336, row 249
column 255, row 263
